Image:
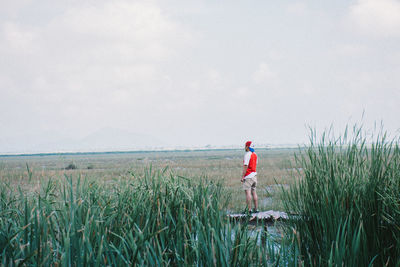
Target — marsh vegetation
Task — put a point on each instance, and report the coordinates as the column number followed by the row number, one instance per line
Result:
column 153, row 218
column 169, row 208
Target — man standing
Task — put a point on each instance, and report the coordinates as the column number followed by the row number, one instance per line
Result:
column 249, row 176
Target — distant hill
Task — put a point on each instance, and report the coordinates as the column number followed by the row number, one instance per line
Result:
column 105, row 139
column 108, row 139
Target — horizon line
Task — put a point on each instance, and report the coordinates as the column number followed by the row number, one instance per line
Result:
column 185, row 149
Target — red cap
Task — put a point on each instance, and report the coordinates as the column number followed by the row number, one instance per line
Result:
column 248, row 143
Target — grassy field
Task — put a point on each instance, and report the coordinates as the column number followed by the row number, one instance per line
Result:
column 145, row 209
column 225, row 166
column 169, row 208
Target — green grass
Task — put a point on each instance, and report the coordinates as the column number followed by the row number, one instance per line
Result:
column 225, row 168
column 344, row 202
column 156, row 218
column 346, row 206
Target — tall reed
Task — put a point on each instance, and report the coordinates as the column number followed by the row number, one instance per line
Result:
column 158, row 219
column 346, row 207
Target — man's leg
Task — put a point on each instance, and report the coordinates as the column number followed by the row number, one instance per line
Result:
column 255, row 199
column 248, row 199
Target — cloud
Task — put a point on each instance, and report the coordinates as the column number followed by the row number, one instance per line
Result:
column 350, row 50
column 297, row 8
column 178, row 69
column 263, row 74
column 108, row 41
column 17, row 38
column 86, row 58
column 377, row 17
column 122, row 29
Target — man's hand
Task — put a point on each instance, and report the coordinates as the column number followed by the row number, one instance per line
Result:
column 244, row 173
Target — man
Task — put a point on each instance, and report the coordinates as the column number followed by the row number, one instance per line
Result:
column 249, row 176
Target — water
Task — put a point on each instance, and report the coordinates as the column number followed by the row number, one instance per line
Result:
column 274, row 233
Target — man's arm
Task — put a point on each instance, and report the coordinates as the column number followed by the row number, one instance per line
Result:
column 244, row 172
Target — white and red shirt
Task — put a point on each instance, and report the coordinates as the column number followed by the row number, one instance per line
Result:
column 250, row 159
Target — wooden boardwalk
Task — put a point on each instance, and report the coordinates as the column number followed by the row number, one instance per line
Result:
column 269, row 216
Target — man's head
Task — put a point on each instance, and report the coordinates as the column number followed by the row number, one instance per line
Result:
column 247, row 145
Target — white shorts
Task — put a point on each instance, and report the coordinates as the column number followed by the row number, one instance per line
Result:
column 250, row 183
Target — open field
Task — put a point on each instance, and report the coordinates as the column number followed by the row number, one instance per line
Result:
column 124, row 209
column 225, row 166
column 169, row 208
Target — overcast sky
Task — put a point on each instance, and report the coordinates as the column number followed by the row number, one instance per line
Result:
column 193, row 73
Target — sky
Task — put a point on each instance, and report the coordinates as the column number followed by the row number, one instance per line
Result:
column 193, row 73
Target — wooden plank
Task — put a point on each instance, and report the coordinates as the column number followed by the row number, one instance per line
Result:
column 267, row 216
